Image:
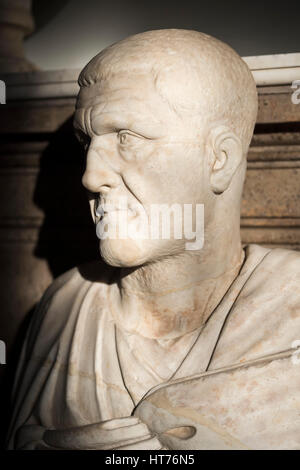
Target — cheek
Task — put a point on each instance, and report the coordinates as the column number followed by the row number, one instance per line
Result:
column 178, row 169
column 170, row 174
column 145, row 175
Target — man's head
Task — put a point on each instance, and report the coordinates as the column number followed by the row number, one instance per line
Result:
column 168, row 116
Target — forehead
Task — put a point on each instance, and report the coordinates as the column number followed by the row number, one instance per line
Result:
column 125, row 100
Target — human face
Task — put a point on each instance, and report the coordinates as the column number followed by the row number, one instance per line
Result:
column 141, row 151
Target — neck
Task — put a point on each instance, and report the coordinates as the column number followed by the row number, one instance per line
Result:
column 175, row 296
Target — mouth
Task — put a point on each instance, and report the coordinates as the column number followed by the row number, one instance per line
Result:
column 99, row 213
column 103, row 208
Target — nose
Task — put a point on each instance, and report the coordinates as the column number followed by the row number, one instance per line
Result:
column 99, row 176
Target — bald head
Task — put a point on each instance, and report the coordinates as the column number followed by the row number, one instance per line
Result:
column 195, row 73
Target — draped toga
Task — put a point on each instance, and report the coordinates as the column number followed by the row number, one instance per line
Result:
column 237, row 388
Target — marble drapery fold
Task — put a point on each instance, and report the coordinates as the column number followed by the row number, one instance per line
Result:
column 70, row 375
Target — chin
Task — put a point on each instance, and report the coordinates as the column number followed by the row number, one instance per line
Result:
column 131, row 253
column 124, row 253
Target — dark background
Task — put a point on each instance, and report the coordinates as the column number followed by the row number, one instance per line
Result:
column 70, row 32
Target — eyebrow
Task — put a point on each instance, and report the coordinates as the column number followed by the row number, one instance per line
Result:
column 105, row 116
column 110, row 121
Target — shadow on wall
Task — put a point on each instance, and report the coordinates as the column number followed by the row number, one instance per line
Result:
column 66, row 237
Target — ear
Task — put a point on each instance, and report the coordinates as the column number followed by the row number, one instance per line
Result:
column 227, row 156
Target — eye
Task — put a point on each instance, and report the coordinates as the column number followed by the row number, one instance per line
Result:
column 127, row 138
column 123, row 138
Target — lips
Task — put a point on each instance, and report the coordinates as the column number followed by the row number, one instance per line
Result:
column 99, row 211
column 103, row 208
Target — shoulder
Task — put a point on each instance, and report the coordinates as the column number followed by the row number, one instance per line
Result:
column 281, row 258
column 62, row 302
column 275, row 279
column 265, row 318
column 93, row 271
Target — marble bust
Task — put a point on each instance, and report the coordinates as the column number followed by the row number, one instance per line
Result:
column 166, row 347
